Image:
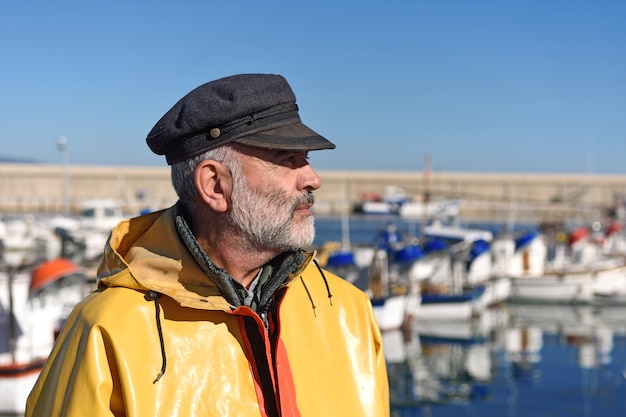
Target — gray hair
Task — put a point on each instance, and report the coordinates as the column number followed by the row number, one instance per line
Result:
column 183, row 172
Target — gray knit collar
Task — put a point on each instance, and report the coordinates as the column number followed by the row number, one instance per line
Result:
column 273, row 274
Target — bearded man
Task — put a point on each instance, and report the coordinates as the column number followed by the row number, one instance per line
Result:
column 214, row 307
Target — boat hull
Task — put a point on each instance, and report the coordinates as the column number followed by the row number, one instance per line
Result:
column 580, row 287
column 16, row 381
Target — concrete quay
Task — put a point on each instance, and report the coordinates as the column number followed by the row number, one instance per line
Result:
column 494, row 197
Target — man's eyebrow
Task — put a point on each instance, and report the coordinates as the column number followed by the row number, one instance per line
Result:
column 276, row 155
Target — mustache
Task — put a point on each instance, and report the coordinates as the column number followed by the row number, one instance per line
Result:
column 302, row 199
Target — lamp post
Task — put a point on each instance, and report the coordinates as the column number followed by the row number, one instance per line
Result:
column 62, row 147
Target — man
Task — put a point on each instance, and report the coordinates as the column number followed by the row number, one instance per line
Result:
column 212, row 307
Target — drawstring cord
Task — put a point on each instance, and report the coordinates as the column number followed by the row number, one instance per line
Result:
column 154, row 296
column 308, row 293
column 319, row 268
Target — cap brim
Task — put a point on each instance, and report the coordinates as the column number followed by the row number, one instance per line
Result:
column 294, row 137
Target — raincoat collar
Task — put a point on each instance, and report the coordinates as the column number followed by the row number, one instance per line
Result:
column 148, row 253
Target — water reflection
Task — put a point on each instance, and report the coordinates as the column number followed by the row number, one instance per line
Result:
column 516, row 359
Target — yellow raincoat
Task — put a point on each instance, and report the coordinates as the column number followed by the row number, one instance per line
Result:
column 126, row 351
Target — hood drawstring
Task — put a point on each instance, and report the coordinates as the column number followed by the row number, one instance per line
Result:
column 308, row 294
column 319, row 268
column 330, row 296
column 154, row 296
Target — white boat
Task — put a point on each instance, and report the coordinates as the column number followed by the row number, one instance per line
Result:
column 33, row 305
column 451, row 270
column 470, row 284
column 100, row 215
column 387, row 203
column 26, row 239
column 575, row 272
column 394, row 312
column 439, row 209
column 436, row 272
column 569, row 286
column 394, row 304
column 81, row 238
column 396, row 201
column 479, row 260
column 90, row 229
column 439, row 276
column 452, row 306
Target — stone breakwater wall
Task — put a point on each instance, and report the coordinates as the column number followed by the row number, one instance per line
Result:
column 496, row 197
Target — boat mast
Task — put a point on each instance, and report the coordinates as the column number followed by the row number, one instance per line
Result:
column 12, row 321
column 425, row 194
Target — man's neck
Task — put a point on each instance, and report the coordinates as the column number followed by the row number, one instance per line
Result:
column 241, row 261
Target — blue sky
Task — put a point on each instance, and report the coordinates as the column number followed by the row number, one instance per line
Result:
column 480, row 86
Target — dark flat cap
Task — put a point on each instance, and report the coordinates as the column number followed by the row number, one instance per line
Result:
column 253, row 109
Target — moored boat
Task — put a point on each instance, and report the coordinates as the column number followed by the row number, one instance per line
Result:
column 34, row 302
column 572, row 270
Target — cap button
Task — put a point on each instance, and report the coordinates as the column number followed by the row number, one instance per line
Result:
column 215, row 133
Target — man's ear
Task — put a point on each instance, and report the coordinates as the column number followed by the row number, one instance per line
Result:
column 214, row 184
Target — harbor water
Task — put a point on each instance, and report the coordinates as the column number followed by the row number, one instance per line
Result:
column 512, row 360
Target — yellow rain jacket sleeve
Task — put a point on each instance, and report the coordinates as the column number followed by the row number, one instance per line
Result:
column 125, row 352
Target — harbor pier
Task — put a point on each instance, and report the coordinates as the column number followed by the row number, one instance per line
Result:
column 495, row 197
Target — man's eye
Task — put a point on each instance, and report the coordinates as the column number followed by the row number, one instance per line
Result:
column 295, row 160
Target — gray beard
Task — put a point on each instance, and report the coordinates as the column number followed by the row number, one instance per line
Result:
column 266, row 218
